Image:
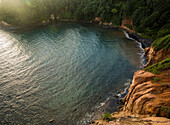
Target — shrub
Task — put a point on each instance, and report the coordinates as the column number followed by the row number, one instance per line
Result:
column 166, row 108
column 107, row 117
column 114, row 11
column 155, row 79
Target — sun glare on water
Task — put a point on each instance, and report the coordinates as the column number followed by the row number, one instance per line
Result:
column 5, row 40
column 10, row 48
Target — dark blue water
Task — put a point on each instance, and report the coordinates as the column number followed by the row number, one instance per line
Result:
column 62, row 71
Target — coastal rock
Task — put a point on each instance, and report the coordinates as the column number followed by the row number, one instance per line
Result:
column 106, row 24
column 122, row 118
column 145, row 42
column 4, row 23
column 51, row 121
column 147, row 97
column 100, row 23
column 97, row 19
column 135, row 97
column 110, row 23
column 147, row 50
column 127, row 21
column 154, row 57
column 43, row 21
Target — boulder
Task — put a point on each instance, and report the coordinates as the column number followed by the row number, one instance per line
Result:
column 97, row 19
column 106, row 24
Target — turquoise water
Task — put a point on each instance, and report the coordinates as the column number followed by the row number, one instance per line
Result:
column 62, row 72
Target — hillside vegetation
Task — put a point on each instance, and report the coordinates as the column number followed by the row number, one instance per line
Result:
column 162, row 43
column 150, row 17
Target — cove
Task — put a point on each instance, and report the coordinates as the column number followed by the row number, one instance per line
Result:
column 62, row 72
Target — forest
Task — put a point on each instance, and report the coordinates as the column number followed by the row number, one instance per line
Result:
column 150, row 17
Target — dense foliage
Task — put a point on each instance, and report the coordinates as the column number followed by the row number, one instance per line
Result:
column 150, row 17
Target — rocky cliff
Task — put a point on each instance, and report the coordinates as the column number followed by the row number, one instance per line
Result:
column 148, row 96
column 150, row 93
column 154, row 57
column 148, row 99
column 128, row 24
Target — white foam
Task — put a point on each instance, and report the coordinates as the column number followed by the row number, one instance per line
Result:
column 142, row 53
column 102, row 104
column 127, row 36
column 127, row 84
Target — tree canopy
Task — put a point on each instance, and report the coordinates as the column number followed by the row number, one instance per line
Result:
column 148, row 16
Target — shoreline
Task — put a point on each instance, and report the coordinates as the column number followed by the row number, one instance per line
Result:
column 145, row 42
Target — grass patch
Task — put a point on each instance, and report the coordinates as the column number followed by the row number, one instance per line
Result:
column 164, row 83
column 157, row 68
column 155, row 79
column 166, row 108
column 107, row 117
column 161, row 43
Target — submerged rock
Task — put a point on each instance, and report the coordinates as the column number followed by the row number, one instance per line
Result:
column 51, row 121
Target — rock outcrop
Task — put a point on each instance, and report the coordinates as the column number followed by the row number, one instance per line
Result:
column 147, row 96
column 150, row 93
column 97, row 19
column 128, row 21
column 154, row 57
column 145, row 42
column 123, row 118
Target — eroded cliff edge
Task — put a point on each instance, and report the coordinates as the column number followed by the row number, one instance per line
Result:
column 148, row 99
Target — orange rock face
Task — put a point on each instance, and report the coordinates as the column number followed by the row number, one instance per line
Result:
column 147, row 96
column 97, row 19
column 128, row 21
column 154, row 57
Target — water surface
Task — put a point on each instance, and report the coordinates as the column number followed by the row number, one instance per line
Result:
column 62, row 71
